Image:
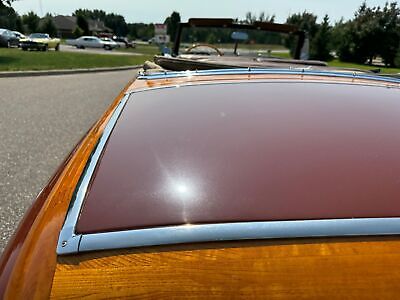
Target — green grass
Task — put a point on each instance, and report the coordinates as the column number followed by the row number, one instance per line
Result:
column 281, row 54
column 384, row 70
column 17, row 60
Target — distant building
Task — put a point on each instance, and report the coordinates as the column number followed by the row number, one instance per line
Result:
column 67, row 24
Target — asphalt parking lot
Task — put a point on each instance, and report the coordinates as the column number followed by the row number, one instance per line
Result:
column 67, row 48
column 41, row 120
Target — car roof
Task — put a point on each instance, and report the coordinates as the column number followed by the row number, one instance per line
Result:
column 245, row 152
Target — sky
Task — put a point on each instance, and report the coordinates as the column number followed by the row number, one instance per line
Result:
column 156, row 11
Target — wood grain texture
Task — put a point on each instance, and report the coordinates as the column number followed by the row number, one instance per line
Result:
column 298, row 269
column 33, row 270
column 156, row 83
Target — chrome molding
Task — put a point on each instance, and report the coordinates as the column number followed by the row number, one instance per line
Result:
column 236, row 231
column 68, row 241
column 253, row 81
column 260, row 71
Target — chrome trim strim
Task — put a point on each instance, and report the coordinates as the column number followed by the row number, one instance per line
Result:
column 68, row 241
column 237, row 231
column 261, row 71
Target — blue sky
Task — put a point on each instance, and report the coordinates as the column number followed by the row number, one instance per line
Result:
column 157, row 10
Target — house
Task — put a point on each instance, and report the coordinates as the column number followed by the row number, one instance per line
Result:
column 67, row 24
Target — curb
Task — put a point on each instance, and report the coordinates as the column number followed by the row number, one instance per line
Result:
column 66, row 72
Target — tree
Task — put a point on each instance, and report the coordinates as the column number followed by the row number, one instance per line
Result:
column 4, row 3
column 343, row 42
column 366, row 33
column 117, row 24
column 263, row 17
column 397, row 59
column 320, row 47
column 78, row 32
column 95, row 14
column 390, row 21
column 8, row 17
column 303, row 21
column 31, row 21
column 172, row 23
column 18, row 25
column 373, row 32
column 82, row 24
column 48, row 26
column 141, row 30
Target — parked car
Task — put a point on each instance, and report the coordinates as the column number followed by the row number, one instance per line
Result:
column 40, row 41
column 19, row 35
column 123, row 42
column 111, row 42
column 8, row 38
column 91, row 42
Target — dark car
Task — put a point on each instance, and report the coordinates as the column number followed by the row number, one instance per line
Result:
column 8, row 38
column 123, row 42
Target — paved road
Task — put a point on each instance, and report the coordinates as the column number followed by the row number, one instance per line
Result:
column 67, row 48
column 41, row 120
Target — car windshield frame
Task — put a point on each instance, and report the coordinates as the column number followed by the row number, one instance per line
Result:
column 229, row 23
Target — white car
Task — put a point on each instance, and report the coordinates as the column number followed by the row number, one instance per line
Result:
column 92, row 42
column 111, row 42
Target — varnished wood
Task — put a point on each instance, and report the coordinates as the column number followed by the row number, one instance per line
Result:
column 156, row 83
column 33, row 271
column 358, row 268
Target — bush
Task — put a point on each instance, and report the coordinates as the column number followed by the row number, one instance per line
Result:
column 321, row 44
column 78, row 32
column 373, row 32
column 397, row 59
column 48, row 27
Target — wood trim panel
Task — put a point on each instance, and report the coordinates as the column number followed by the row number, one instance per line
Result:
column 362, row 268
column 156, row 83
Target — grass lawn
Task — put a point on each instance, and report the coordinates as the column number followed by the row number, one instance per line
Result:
column 16, row 60
column 340, row 64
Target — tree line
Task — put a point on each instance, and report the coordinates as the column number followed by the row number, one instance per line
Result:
column 372, row 32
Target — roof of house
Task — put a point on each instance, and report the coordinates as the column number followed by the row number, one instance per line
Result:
column 65, row 22
column 69, row 23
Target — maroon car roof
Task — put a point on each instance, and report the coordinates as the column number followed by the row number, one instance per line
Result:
column 254, row 151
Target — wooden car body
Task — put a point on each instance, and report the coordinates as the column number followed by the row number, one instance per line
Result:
column 298, row 199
